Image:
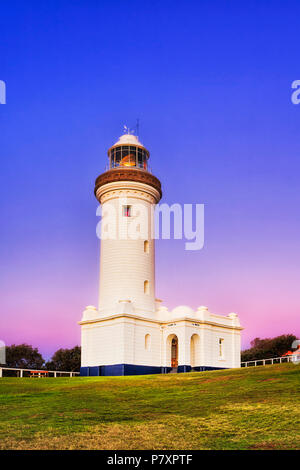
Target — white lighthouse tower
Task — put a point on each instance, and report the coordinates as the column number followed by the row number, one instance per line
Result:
column 130, row 332
column 127, row 194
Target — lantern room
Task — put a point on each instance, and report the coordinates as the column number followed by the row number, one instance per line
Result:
column 128, row 152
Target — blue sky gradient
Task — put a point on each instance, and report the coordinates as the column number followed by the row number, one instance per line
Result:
column 210, row 82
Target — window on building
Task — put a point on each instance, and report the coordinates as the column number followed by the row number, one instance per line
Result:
column 146, row 246
column 128, row 156
column 146, row 287
column 147, row 341
column 126, row 211
column 221, row 347
column 117, row 159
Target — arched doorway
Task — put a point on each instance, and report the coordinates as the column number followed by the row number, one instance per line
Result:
column 174, row 352
column 195, row 350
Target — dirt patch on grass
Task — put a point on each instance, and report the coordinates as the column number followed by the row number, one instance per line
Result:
column 271, row 379
column 84, row 410
column 217, row 379
column 274, row 445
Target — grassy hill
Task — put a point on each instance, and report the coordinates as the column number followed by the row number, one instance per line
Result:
column 255, row 408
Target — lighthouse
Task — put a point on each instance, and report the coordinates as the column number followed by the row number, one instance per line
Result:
column 127, row 193
column 130, row 331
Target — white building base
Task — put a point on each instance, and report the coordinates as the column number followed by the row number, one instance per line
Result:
column 183, row 340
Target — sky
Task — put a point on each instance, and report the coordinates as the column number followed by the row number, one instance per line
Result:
column 210, row 82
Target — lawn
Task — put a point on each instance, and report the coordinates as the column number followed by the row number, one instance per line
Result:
column 255, row 408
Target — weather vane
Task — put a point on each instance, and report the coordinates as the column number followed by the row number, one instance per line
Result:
column 127, row 130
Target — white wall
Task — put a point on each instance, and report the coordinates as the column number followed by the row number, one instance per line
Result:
column 134, row 337
column 207, row 349
column 124, row 266
column 102, row 343
column 121, row 340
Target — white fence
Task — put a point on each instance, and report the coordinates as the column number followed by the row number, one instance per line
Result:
column 275, row 360
column 295, row 358
column 38, row 373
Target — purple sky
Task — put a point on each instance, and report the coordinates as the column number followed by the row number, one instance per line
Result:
column 210, row 82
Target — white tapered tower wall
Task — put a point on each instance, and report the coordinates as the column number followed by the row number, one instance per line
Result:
column 127, row 265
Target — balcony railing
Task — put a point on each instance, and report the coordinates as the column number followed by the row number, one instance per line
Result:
column 123, row 167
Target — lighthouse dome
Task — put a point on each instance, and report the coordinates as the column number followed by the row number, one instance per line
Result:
column 128, row 139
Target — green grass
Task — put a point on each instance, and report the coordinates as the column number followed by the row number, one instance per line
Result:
column 255, row 408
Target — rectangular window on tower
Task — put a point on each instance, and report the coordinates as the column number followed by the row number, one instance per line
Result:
column 221, row 348
column 126, row 211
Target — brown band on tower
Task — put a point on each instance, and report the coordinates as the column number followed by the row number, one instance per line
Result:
column 128, row 175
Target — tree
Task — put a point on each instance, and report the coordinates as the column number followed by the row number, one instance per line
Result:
column 65, row 359
column 24, row 356
column 268, row 347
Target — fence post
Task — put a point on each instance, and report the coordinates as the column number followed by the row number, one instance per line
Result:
column 21, row 373
column 1, row 372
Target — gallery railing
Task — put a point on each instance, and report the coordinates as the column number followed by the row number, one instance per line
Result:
column 125, row 167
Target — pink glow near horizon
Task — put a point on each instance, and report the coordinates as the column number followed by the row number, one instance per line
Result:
column 45, row 312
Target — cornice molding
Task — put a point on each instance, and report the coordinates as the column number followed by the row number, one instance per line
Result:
column 161, row 322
